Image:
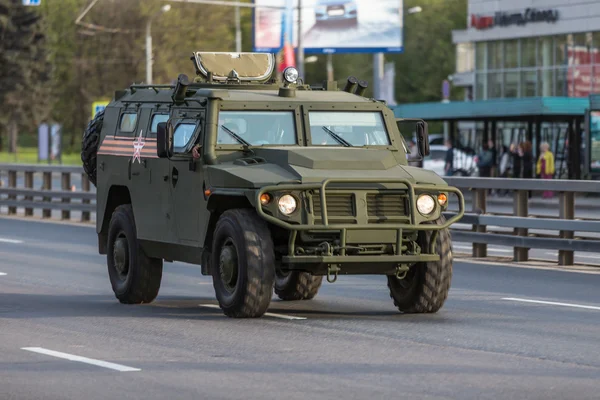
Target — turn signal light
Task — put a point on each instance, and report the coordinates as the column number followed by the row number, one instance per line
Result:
column 442, row 199
column 265, row 198
column 207, row 192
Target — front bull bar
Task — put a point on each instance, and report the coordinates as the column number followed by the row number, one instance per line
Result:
column 343, row 228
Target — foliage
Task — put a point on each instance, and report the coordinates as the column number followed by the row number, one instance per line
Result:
column 60, row 74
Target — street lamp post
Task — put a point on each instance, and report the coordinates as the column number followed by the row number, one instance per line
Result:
column 378, row 63
column 149, row 58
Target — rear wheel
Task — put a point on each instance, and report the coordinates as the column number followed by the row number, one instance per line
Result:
column 296, row 285
column 426, row 285
column 242, row 264
column 135, row 277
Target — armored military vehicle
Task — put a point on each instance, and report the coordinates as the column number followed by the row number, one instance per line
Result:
column 267, row 183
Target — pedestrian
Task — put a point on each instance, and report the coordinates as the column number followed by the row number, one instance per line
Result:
column 484, row 161
column 545, row 166
column 527, row 160
column 504, row 167
column 494, row 168
column 449, row 166
column 516, row 152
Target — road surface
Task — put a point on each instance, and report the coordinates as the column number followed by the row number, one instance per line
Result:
column 504, row 333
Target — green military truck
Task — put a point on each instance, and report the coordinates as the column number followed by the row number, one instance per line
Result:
column 269, row 184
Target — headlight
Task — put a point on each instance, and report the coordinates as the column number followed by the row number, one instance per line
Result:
column 287, row 204
column 290, row 74
column 425, row 204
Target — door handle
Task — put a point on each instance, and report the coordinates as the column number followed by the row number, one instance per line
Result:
column 174, row 176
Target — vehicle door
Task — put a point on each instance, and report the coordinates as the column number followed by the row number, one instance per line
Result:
column 149, row 175
column 186, row 180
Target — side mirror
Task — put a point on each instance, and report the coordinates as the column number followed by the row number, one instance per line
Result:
column 423, row 138
column 163, row 145
column 422, row 134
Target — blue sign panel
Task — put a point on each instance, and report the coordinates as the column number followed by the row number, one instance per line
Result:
column 32, row 2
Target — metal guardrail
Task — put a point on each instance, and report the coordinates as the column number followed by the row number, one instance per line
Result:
column 24, row 195
column 556, row 232
column 521, row 238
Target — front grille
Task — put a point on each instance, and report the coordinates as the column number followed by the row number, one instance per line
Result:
column 338, row 205
column 386, row 205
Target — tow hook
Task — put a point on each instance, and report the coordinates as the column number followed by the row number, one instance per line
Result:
column 401, row 271
column 332, row 269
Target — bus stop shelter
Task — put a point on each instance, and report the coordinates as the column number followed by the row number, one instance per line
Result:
column 558, row 120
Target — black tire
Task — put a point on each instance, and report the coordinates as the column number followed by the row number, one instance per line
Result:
column 89, row 146
column 296, row 285
column 135, row 277
column 426, row 286
column 242, row 264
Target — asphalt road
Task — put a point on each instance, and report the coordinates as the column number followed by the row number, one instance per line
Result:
column 55, row 297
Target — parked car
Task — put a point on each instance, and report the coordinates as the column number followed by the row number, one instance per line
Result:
column 336, row 10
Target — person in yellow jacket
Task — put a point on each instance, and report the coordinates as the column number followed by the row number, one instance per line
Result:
column 545, row 166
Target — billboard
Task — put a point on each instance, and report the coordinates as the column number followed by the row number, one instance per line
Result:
column 330, row 26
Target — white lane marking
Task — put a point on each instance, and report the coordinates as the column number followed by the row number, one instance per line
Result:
column 268, row 314
column 13, row 241
column 2, row 273
column 457, row 246
column 71, row 357
column 552, row 303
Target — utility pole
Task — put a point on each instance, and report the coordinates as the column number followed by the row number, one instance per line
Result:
column 149, row 59
column 238, row 31
column 300, row 61
column 378, row 62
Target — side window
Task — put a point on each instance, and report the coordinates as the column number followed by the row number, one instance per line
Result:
column 157, row 119
column 182, row 136
column 128, row 122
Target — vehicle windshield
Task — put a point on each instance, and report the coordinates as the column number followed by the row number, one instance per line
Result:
column 348, row 128
column 257, row 128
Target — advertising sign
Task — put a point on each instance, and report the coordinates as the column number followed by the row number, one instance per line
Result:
column 581, row 74
column 330, row 26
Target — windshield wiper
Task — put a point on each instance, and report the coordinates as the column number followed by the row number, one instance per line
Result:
column 235, row 136
column 337, row 137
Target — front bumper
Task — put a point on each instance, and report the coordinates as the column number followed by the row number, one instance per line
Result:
column 343, row 228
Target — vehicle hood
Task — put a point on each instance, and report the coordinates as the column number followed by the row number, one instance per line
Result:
column 314, row 164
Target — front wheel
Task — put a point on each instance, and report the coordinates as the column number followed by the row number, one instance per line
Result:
column 426, row 285
column 242, row 264
column 135, row 277
column 296, row 285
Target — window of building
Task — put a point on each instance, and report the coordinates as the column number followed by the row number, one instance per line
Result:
column 511, row 84
column 480, row 86
column 545, row 52
column 528, row 52
column 561, row 50
column 528, row 83
column 561, row 82
column 511, row 54
column 465, row 61
column 494, row 85
column 495, row 59
column 481, row 53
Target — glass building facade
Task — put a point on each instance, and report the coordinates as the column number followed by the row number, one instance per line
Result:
column 557, row 65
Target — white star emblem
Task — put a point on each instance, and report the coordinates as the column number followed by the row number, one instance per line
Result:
column 138, row 145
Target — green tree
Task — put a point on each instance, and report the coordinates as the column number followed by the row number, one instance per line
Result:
column 23, row 71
